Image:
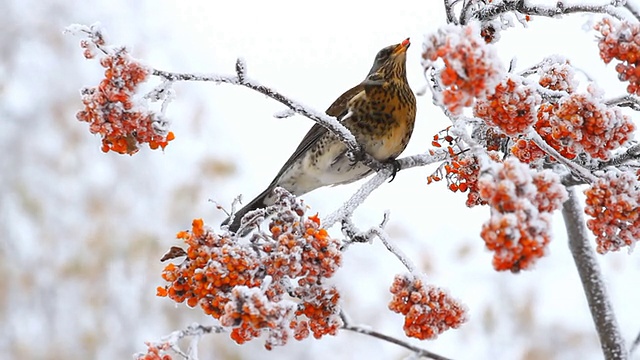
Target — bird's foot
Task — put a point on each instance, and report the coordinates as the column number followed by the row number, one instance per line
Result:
column 395, row 164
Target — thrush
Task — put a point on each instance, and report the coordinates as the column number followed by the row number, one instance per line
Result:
column 380, row 113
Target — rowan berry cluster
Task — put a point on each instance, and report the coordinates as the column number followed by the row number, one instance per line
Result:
column 471, row 67
column 521, row 203
column 620, row 40
column 511, row 106
column 111, row 109
column 428, row 311
column 582, row 123
column 613, row 203
column 268, row 285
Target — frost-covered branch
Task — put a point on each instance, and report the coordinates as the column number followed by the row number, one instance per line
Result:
column 169, row 343
column 611, row 341
column 492, row 10
column 349, row 229
column 241, row 79
column 418, row 352
column 632, row 153
column 575, row 169
column 629, row 101
column 358, row 198
column 633, row 9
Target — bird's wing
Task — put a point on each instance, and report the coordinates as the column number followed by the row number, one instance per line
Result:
column 338, row 109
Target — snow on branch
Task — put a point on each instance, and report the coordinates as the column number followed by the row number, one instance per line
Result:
column 170, row 343
column 489, row 11
column 241, row 79
column 612, row 343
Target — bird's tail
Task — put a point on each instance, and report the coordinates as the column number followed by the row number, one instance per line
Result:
column 257, row 203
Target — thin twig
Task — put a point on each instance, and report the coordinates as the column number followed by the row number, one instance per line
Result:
column 378, row 231
column 365, row 331
column 604, row 318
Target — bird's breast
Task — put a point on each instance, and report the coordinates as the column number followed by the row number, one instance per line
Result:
column 382, row 120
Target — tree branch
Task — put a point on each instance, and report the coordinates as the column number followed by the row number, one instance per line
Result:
column 492, row 10
column 629, row 101
column 241, row 79
column 378, row 231
column 365, row 331
column 575, row 169
column 358, row 198
column 611, row 341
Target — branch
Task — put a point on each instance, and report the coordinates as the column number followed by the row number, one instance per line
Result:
column 632, row 9
column 634, row 345
column 448, row 8
column 365, row 331
column 629, row 101
column 195, row 331
column 358, row 236
column 612, row 343
column 241, row 79
column 632, row 153
column 492, row 10
column 574, row 168
column 358, row 198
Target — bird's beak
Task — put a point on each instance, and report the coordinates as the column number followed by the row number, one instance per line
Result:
column 402, row 47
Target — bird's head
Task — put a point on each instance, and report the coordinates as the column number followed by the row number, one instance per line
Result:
column 390, row 62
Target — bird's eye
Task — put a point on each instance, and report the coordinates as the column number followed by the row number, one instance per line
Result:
column 383, row 54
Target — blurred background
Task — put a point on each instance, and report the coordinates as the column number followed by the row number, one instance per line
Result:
column 82, row 232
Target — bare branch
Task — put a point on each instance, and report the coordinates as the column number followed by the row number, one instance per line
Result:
column 365, row 331
column 593, row 284
column 241, row 79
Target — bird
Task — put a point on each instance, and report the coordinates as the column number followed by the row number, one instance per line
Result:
column 380, row 113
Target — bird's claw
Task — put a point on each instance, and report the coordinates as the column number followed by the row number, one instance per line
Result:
column 395, row 164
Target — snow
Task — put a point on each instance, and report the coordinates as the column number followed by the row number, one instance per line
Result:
column 83, row 231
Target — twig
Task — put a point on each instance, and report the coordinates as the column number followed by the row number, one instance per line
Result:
column 363, row 330
column 364, row 236
column 241, row 79
column 611, row 341
column 492, row 10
